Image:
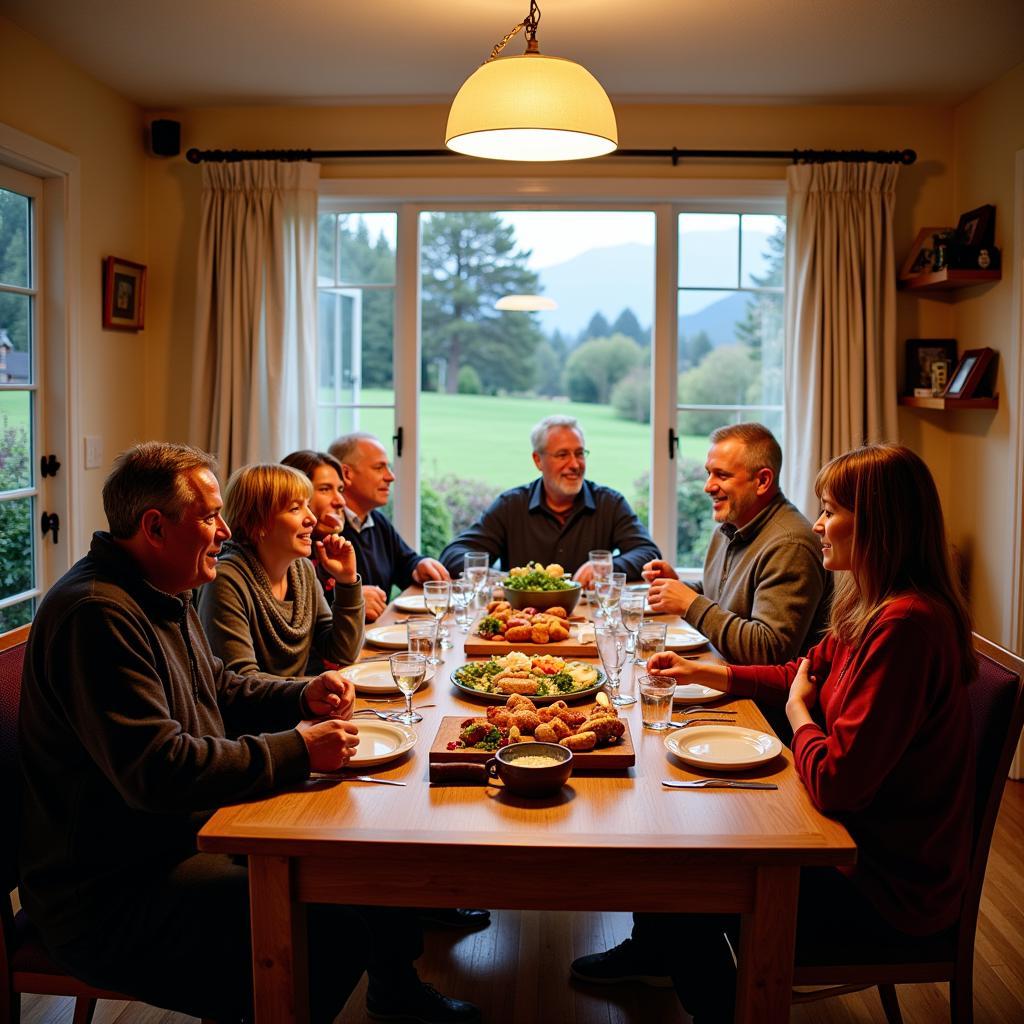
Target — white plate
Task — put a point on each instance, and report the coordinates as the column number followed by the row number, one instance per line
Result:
column 375, row 677
column 396, row 635
column 695, row 693
column 684, row 638
column 413, row 603
column 725, row 747
column 382, row 741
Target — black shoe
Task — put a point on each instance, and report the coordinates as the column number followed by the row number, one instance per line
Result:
column 455, row 917
column 419, row 1003
column 624, row 962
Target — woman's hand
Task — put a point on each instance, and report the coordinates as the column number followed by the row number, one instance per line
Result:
column 803, row 695
column 689, row 670
column 330, row 695
column 337, row 557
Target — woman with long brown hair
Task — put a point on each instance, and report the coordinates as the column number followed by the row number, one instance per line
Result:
column 881, row 735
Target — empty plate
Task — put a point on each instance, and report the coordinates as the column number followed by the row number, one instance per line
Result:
column 725, row 747
column 684, row 638
column 382, row 741
column 393, row 636
column 411, row 603
column 375, row 677
column 695, row 693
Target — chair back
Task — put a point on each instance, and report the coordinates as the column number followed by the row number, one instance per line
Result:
column 12, row 660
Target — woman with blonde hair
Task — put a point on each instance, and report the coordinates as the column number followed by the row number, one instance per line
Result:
column 881, row 735
column 265, row 611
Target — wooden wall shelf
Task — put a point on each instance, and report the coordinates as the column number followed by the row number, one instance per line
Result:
column 947, row 280
column 949, row 403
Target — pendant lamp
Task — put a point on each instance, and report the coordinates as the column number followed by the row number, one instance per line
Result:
column 531, row 107
column 525, row 303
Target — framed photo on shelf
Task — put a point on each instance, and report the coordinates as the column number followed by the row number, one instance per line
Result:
column 921, row 255
column 124, row 294
column 922, row 354
column 976, row 229
column 969, row 373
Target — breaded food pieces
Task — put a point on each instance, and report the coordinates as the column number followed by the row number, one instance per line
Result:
column 498, row 606
column 557, row 632
column 517, row 700
column 607, row 730
column 545, row 732
column 580, row 741
column 557, row 612
column 519, row 634
column 538, row 634
column 525, row 720
column 604, row 711
column 513, row 685
column 573, row 717
column 499, row 716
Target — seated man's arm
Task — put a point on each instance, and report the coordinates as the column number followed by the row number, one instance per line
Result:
column 630, row 537
column 489, row 533
column 789, row 588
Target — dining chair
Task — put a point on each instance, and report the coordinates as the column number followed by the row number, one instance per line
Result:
column 25, row 965
column 997, row 712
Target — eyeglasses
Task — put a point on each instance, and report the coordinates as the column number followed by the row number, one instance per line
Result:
column 564, row 455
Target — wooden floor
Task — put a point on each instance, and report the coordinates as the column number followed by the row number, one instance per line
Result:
column 516, row 970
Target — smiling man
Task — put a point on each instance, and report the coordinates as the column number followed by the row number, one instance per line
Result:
column 764, row 595
column 560, row 517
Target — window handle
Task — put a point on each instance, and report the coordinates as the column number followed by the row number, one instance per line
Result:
column 673, row 443
column 48, row 465
column 396, row 440
column 50, row 521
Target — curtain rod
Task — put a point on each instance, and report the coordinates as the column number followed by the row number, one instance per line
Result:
column 807, row 156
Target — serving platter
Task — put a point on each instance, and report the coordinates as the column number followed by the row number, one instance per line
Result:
column 723, row 747
column 618, row 755
column 571, row 648
column 500, row 698
column 380, row 742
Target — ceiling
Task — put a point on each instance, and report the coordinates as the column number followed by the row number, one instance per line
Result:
column 167, row 54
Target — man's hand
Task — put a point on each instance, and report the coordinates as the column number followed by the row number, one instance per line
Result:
column 657, row 569
column 330, row 695
column 376, row 601
column 337, row 557
column 429, row 569
column 670, row 596
column 689, row 670
column 584, row 575
column 803, row 695
column 330, row 744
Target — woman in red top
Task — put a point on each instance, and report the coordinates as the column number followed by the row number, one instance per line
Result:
column 881, row 732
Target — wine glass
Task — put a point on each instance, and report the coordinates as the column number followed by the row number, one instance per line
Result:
column 631, row 612
column 422, row 635
column 408, row 670
column 462, row 598
column 476, row 564
column 437, row 596
column 611, row 645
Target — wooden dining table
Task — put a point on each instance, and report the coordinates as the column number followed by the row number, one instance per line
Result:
column 640, row 846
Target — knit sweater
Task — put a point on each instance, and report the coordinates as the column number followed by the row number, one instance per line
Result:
column 252, row 631
column 765, row 593
column 891, row 756
column 129, row 729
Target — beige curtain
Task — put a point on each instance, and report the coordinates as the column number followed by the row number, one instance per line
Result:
column 840, row 317
column 254, row 366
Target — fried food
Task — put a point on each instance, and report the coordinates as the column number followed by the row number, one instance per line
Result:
column 512, row 685
column 525, row 720
column 580, row 741
column 519, row 635
column 607, row 730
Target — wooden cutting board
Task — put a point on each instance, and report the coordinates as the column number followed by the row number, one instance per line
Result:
column 476, row 645
column 620, row 755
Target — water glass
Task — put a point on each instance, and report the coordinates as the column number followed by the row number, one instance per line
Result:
column 601, row 564
column 475, row 564
column 631, row 612
column 422, row 636
column 650, row 640
column 609, row 591
column 408, row 670
column 462, row 599
column 611, row 646
column 656, row 693
column 437, row 596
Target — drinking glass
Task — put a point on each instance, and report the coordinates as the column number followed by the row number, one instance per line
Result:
column 601, row 564
column 476, row 564
column 408, row 670
column 650, row 639
column 631, row 611
column 611, row 645
column 437, row 596
column 656, row 693
column 609, row 592
column 422, row 634
column 462, row 598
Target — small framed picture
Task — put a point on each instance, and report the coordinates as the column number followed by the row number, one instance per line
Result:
column 969, row 373
column 124, row 294
column 922, row 355
column 976, row 229
column 921, row 255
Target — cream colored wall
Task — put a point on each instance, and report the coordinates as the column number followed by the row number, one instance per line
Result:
column 48, row 98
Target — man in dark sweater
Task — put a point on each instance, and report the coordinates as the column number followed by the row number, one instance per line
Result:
column 131, row 733
column 383, row 558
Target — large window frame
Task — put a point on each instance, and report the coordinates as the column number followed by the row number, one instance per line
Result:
column 665, row 197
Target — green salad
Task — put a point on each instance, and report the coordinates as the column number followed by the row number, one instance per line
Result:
column 534, row 576
column 545, row 675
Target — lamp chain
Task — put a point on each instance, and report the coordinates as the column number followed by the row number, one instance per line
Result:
column 530, row 23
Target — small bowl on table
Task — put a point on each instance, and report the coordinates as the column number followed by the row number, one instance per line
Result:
column 531, row 769
column 543, row 600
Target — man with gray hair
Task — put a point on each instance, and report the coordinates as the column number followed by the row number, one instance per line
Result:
column 559, row 517
column 764, row 595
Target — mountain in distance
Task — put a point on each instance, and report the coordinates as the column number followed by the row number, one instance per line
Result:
column 612, row 278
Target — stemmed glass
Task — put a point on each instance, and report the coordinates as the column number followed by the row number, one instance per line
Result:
column 462, row 598
column 408, row 670
column 437, row 596
column 631, row 611
column 611, row 645
column 608, row 592
column 476, row 564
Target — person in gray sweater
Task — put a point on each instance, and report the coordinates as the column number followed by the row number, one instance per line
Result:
column 765, row 594
column 266, row 610
column 131, row 733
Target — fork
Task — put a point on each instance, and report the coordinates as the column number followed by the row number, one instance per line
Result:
column 699, row 721
column 705, row 710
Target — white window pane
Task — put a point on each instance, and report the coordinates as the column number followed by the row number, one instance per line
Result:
column 762, row 248
column 15, row 261
column 709, row 251
column 366, row 248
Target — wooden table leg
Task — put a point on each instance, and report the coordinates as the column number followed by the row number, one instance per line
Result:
column 764, row 982
column 280, row 965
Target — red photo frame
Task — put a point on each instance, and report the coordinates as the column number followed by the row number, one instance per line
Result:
column 124, row 294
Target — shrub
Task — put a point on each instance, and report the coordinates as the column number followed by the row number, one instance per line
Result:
column 466, row 500
column 631, row 397
column 694, row 524
column 469, row 381
column 435, row 522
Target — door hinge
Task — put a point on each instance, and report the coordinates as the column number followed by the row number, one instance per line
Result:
column 50, row 521
column 48, row 465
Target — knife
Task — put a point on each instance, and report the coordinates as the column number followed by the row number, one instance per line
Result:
column 370, row 778
column 717, row 784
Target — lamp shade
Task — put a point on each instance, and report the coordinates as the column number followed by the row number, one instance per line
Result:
column 525, row 303
column 534, row 108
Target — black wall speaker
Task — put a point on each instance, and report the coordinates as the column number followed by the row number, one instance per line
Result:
column 165, row 137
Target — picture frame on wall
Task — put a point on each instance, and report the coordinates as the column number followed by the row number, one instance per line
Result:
column 124, row 294
column 970, row 373
column 922, row 354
